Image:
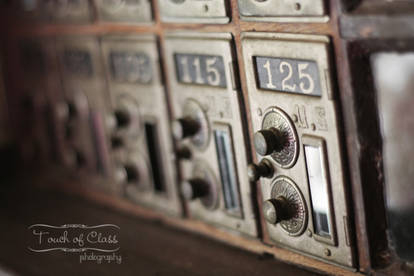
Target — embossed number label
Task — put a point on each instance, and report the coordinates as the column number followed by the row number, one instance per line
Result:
column 130, row 67
column 200, row 69
column 78, row 62
column 288, row 75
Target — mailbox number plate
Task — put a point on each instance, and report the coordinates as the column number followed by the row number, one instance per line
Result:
column 78, row 62
column 130, row 67
column 288, row 75
column 200, row 69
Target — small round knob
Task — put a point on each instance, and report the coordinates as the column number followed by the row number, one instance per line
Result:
column 66, row 110
column 126, row 174
column 267, row 141
column 183, row 153
column 194, row 188
column 132, row 173
column 275, row 210
column 72, row 110
column 76, row 159
column 263, row 169
column 185, row 127
column 122, row 118
column 117, row 142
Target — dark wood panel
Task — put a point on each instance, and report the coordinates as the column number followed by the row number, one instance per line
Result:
column 384, row 7
column 369, row 140
column 384, row 26
column 147, row 248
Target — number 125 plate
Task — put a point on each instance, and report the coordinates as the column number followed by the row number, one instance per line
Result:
column 288, row 75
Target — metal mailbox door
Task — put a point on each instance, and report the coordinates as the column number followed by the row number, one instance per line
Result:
column 209, row 130
column 143, row 163
column 296, row 129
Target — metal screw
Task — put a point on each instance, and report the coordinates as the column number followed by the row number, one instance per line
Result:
column 327, row 252
column 309, row 233
column 313, row 126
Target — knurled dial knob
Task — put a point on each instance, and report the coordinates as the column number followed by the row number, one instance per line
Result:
column 193, row 125
column 185, row 127
column 201, row 186
column 267, row 141
column 194, row 188
column 275, row 210
column 286, row 207
column 277, row 138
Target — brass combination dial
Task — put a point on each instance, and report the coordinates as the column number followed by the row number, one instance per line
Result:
column 286, row 207
column 193, row 125
column 277, row 138
column 202, row 185
column 132, row 172
column 124, row 122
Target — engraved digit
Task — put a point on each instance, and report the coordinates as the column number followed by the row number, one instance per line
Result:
column 269, row 84
column 285, row 86
column 199, row 77
column 145, row 69
column 117, row 66
column 185, row 77
column 131, row 67
column 213, row 76
column 301, row 68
